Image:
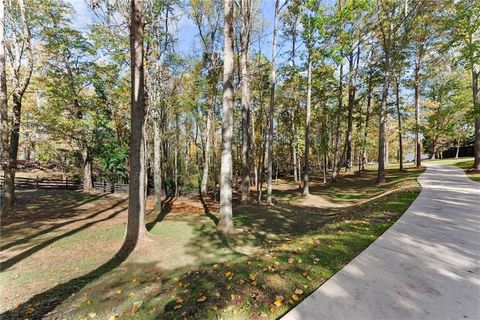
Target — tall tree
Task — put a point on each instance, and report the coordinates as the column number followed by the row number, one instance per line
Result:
column 399, row 119
column 271, row 108
column 466, row 29
column 308, row 37
column 391, row 18
column 245, row 33
column 136, row 201
column 207, row 17
column 21, row 61
column 3, row 101
column 226, row 170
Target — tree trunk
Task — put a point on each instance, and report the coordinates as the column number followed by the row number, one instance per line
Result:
column 367, row 121
column 206, row 152
column 418, row 143
column 87, row 169
column 336, row 160
column 476, row 105
column 5, row 206
column 9, row 197
column 226, row 223
column 255, row 152
column 136, row 230
column 458, row 148
column 272, row 104
column 245, row 39
column 399, row 116
column 20, row 85
column 296, row 178
column 351, row 103
column 383, row 114
column 157, row 164
column 306, row 169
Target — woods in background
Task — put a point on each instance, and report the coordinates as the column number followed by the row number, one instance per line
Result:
column 306, row 86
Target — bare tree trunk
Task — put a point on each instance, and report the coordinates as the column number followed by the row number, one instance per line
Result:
column 157, row 164
column 272, row 104
column 383, row 114
column 19, row 88
column 5, row 207
column 336, row 160
column 245, row 40
column 399, row 116
column 306, row 169
column 87, row 169
column 260, row 169
column 175, row 160
column 418, row 143
column 476, row 105
column 458, row 148
column 296, row 178
column 226, row 222
column 387, row 143
column 136, row 200
column 367, row 121
column 206, row 152
column 352, row 73
column 255, row 153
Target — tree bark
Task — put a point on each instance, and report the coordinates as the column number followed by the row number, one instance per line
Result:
column 367, row 121
column 306, row 169
column 5, row 206
column 294, row 150
column 157, row 164
column 19, row 88
column 418, row 143
column 272, row 105
column 336, row 160
column 206, row 152
column 245, row 40
column 255, row 152
column 476, row 106
column 175, row 160
column 87, row 169
column 399, row 116
column 352, row 90
column 136, row 230
column 226, row 222
column 383, row 114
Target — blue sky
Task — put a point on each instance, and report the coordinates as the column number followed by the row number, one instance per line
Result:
column 186, row 32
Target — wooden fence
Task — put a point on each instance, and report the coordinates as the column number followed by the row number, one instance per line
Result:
column 39, row 183
column 66, row 184
column 117, row 187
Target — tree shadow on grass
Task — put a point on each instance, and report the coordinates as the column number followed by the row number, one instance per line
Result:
column 4, row 265
column 43, row 303
column 40, row 202
column 27, row 238
column 166, row 208
column 207, row 210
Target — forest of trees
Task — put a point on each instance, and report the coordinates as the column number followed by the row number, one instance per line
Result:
column 303, row 86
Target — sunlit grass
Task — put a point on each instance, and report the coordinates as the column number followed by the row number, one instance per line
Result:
column 277, row 257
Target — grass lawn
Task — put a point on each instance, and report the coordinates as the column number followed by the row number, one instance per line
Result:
column 58, row 253
column 462, row 163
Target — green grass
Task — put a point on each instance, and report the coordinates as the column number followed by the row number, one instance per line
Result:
column 279, row 255
column 246, row 286
column 274, row 273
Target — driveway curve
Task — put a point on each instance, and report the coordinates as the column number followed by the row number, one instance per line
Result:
column 426, row 266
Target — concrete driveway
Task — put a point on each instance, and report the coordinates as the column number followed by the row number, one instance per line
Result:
column 426, row 266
